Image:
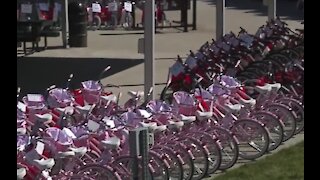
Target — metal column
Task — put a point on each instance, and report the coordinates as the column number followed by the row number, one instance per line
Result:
column 194, row 14
column 272, row 9
column 220, row 14
column 64, row 23
column 149, row 30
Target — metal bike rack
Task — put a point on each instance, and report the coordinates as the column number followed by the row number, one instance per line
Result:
column 139, row 146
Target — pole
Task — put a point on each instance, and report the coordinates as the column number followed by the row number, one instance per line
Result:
column 149, row 30
column 220, row 12
column 65, row 24
column 194, row 15
column 272, row 8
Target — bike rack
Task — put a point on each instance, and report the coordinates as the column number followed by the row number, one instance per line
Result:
column 139, row 146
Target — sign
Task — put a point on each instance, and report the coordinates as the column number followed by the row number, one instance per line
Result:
column 96, row 8
column 26, row 8
column 128, row 6
column 44, row 6
column 34, row 97
column 112, row 7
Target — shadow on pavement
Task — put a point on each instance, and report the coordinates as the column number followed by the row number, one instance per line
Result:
column 35, row 74
column 285, row 8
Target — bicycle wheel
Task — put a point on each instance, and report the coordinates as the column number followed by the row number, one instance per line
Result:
column 124, row 165
column 214, row 150
column 274, row 126
column 159, row 166
column 176, row 169
column 97, row 172
column 200, row 156
column 297, row 109
column 253, row 138
column 185, row 157
column 285, row 115
column 229, row 146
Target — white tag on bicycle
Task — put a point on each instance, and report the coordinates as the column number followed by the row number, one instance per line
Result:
column 40, row 147
column 176, row 69
column 34, row 97
column 128, row 6
column 144, row 113
column 96, row 8
column 93, row 126
column 191, row 62
column 109, row 122
column 112, row 7
column 69, row 133
column 26, row 8
column 22, row 107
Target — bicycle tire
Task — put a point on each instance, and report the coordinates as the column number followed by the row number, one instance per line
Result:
column 176, row 169
column 285, row 114
column 184, row 156
column 123, row 164
column 245, row 131
column 274, row 126
column 159, row 165
column 200, row 155
column 229, row 146
column 297, row 108
column 105, row 172
column 214, row 150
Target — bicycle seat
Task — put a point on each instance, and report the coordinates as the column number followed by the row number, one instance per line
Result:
column 68, row 110
column 150, row 125
column 251, row 101
column 187, row 119
column 79, row 151
column 111, row 143
column 21, row 131
column 263, row 89
column 44, row 163
column 160, row 128
column 134, row 94
column 275, row 86
column 84, row 109
column 21, row 172
column 44, row 117
column 175, row 124
column 234, row 107
column 203, row 115
column 66, row 154
column 111, row 98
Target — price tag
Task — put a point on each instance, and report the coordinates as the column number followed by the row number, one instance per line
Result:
column 93, row 126
column 34, row 97
column 96, row 8
column 40, row 147
column 112, row 7
column 128, row 6
column 176, row 69
column 192, row 62
column 26, row 8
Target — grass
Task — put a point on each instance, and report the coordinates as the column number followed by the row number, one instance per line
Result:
column 287, row 164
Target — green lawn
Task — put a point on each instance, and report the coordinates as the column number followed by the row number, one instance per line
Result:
column 287, row 164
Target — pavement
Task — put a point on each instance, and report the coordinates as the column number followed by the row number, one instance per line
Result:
column 119, row 48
